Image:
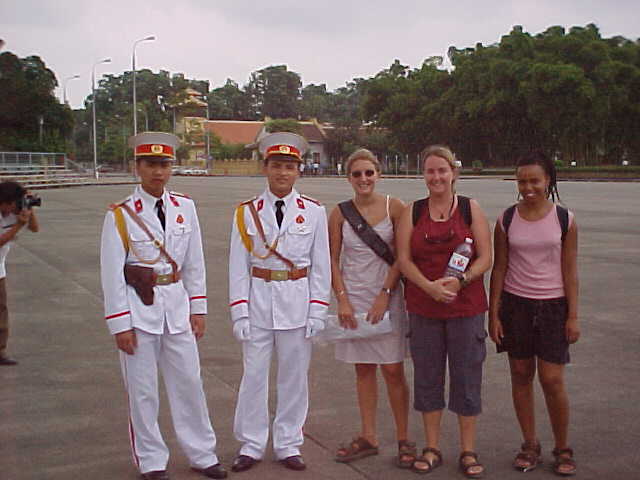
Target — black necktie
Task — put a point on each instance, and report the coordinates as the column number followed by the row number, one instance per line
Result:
column 160, row 212
column 279, row 212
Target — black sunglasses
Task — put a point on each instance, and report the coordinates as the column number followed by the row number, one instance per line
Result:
column 358, row 173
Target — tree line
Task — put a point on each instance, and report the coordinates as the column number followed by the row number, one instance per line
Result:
column 573, row 94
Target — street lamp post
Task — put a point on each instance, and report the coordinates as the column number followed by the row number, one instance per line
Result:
column 133, row 69
column 93, row 96
column 206, row 132
column 64, row 87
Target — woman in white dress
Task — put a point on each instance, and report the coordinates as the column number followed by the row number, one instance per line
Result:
column 365, row 283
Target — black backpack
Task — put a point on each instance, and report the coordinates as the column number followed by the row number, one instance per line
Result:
column 563, row 218
column 464, row 205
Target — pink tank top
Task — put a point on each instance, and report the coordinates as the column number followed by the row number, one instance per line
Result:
column 535, row 256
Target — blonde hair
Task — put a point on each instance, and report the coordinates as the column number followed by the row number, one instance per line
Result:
column 441, row 151
column 362, row 154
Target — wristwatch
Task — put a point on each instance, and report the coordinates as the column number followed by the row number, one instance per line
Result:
column 464, row 281
column 386, row 290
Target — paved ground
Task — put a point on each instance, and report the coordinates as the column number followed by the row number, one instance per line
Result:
column 63, row 412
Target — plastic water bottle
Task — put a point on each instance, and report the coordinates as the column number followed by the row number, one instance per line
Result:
column 460, row 259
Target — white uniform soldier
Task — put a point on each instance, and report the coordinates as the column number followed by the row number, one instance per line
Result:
column 153, row 279
column 279, row 281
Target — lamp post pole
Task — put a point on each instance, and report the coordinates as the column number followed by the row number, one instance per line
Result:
column 93, row 97
column 64, row 87
column 133, row 69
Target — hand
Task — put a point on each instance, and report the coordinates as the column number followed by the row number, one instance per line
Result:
column 23, row 216
column 572, row 330
column 440, row 292
column 452, row 284
column 314, row 326
column 242, row 329
column 380, row 305
column 345, row 315
column 197, row 321
column 127, row 341
column 495, row 331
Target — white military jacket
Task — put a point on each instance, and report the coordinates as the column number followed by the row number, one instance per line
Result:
column 172, row 303
column 303, row 238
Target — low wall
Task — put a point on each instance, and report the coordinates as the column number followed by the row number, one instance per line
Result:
column 236, row 166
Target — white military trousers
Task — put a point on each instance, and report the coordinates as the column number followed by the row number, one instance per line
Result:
column 177, row 357
column 251, row 425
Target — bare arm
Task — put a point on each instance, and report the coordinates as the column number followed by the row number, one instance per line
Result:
column 500, row 263
column 33, row 224
column 345, row 310
column 570, row 281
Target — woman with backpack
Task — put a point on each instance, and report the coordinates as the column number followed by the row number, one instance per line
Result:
column 533, row 314
column 365, row 280
column 446, row 313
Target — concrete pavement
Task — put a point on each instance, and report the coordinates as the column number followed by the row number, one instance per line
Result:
column 63, row 411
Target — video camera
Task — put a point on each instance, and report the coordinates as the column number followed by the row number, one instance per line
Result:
column 28, row 202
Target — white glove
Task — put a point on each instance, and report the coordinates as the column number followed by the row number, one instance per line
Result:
column 242, row 329
column 314, row 326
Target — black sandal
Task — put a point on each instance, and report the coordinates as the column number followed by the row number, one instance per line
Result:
column 430, row 466
column 562, row 460
column 529, row 453
column 359, row 448
column 406, row 454
column 465, row 468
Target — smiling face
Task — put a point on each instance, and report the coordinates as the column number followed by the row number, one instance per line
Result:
column 363, row 176
column 533, row 183
column 281, row 175
column 154, row 175
column 439, row 175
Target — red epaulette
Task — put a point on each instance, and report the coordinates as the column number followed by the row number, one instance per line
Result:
column 178, row 194
column 113, row 206
column 312, row 200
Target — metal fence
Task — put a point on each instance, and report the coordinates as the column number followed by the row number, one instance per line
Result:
column 32, row 159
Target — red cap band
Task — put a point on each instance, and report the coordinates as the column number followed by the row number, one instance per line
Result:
column 154, row 149
column 283, row 150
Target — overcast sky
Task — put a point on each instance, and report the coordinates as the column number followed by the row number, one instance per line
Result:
column 329, row 41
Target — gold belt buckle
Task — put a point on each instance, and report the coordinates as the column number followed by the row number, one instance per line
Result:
column 165, row 279
column 279, row 275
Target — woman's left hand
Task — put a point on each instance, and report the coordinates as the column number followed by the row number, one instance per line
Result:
column 451, row 283
column 572, row 330
column 380, row 305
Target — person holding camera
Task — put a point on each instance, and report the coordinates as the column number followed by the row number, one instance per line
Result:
column 153, row 279
column 16, row 213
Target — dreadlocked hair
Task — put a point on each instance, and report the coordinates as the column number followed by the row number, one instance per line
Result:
column 539, row 158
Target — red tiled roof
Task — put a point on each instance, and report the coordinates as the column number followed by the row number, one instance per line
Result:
column 311, row 132
column 234, row 131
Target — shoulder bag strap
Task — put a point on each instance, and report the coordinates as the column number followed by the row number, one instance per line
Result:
column 157, row 243
column 416, row 210
column 271, row 248
column 563, row 218
column 464, row 203
column 366, row 233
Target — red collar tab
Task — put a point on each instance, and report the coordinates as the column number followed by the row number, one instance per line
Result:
column 154, row 150
column 260, row 204
column 300, row 203
column 174, row 201
column 138, row 205
column 283, row 150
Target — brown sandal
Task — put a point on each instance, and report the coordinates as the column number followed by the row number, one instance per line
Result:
column 406, row 454
column 359, row 448
column 563, row 460
column 430, row 466
column 466, row 467
column 529, row 453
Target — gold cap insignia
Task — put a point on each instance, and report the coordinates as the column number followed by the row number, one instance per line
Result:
column 285, row 149
column 156, row 149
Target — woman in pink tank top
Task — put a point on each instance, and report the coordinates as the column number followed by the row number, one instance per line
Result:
column 533, row 305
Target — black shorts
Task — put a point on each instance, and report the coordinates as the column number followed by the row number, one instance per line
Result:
column 534, row 327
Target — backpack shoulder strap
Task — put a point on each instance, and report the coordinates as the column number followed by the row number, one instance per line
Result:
column 366, row 233
column 507, row 217
column 464, row 203
column 417, row 209
column 563, row 218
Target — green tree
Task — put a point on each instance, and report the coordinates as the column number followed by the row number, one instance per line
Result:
column 274, row 92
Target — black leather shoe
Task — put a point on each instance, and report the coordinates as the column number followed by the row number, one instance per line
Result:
column 242, row 463
column 294, row 462
column 214, row 471
column 8, row 361
column 155, row 475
